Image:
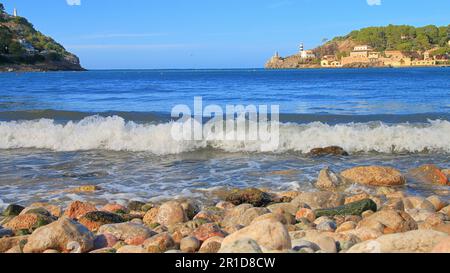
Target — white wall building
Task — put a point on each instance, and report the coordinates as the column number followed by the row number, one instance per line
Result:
column 362, row 48
column 306, row 54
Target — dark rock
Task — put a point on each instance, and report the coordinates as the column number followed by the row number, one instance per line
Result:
column 40, row 211
column 22, row 232
column 148, row 206
column 6, row 232
column 251, row 196
column 331, row 150
column 103, row 216
column 355, row 208
column 95, row 219
column 135, row 205
column 13, row 210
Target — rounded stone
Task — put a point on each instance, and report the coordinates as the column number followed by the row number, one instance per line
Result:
column 374, row 176
column 269, row 235
column 305, row 213
column 78, row 209
column 171, row 213
column 245, row 245
column 189, row 244
column 211, row 245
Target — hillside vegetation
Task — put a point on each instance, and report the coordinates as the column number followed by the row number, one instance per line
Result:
column 412, row 41
column 403, row 37
column 21, row 45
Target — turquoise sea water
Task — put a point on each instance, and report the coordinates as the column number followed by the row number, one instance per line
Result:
column 112, row 128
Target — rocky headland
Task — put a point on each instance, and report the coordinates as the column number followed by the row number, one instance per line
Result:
column 23, row 48
column 387, row 46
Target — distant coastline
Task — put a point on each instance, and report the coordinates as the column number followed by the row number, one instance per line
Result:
column 391, row 46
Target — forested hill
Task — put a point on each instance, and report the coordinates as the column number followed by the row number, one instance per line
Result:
column 413, row 41
column 23, row 48
column 392, row 37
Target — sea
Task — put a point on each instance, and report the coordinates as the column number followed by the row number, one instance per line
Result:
column 112, row 129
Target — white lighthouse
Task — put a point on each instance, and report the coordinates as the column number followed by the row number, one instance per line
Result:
column 306, row 54
column 15, row 12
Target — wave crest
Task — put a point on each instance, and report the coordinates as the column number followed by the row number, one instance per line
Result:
column 114, row 133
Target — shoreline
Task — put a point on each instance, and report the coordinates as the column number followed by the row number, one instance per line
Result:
column 36, row 70
column 251, row 220
column 367, row 67
column 26, row 69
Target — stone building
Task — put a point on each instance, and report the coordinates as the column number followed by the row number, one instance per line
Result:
column 330, row 61
column 394, row 54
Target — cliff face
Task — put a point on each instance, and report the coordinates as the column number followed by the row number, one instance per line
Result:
column 295, row 61
column 23, row 48
column 290, row 62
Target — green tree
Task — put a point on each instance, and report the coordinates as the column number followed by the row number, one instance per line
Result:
column 2, row 13
column 423, row 41
column 402, row 37
column 5, row 39
column 406, row 46
column 15, row 48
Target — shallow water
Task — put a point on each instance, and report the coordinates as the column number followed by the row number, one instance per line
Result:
column 39, row 175
column 111, row 129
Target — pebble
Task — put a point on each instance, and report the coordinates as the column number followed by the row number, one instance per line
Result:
column 189, row 244
column 305, row 213
column 206, row 231
column 171, row 213
column 268, row 234
column 159, row 243
column 374, row 176
column 78, row 209
column 64, row 235
column 327, row 226
column 245, row 245
column 130, row 233
column 300, row 244
column 349, row 225
column 410, row 242
column 211, row 245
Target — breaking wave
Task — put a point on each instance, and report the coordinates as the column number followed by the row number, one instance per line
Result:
column 116, row 134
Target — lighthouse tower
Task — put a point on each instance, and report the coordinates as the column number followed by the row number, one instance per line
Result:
column 15, row 12
column 302, row 47
column 275, row 57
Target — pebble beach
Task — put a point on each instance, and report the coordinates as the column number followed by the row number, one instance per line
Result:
column 248, row 220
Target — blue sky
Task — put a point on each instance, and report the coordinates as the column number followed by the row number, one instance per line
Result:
column 210, row 33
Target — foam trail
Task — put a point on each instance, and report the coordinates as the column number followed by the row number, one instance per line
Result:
column 113, row 133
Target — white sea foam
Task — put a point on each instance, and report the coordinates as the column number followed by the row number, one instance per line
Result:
column 114, row 133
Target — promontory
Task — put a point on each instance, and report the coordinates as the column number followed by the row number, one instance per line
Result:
column 388, row 46
column 23, row 48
